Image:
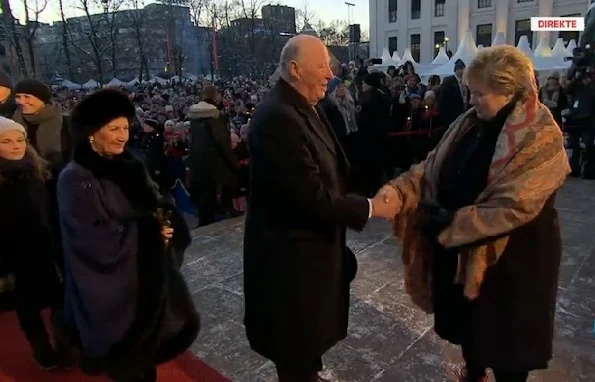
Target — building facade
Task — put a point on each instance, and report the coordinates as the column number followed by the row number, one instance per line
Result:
column 425, row 25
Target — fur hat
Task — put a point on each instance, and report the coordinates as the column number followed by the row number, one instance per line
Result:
column 98, row 109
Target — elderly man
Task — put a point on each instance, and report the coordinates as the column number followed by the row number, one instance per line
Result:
column 297, row 267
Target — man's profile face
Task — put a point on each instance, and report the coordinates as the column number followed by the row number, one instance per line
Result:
column 313, row 71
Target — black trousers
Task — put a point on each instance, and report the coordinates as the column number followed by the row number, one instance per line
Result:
column 204, row 197
column 299, row 371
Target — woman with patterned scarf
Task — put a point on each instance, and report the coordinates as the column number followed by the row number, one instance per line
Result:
column 480, row 234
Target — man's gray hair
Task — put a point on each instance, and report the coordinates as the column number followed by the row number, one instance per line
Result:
column 290, row 52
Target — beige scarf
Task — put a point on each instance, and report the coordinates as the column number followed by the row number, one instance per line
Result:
column 528, row 166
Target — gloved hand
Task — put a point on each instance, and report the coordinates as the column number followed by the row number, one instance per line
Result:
column 436, row 219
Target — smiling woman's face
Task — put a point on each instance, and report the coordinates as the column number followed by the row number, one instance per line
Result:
column 111, row 139
column 13, row 145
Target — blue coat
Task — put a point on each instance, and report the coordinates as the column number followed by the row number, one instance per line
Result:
column 120, row 278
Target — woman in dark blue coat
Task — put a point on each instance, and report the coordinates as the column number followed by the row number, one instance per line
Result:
column 127, row 307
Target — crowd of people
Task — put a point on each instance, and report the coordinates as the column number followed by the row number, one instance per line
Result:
column 96, row 186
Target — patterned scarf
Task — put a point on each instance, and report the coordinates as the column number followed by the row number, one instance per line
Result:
column 528, row 166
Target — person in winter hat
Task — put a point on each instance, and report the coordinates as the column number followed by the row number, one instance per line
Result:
column 122, row 238
column 26, row 237
column 43, row 121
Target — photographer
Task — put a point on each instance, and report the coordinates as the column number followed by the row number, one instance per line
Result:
column 580, row 124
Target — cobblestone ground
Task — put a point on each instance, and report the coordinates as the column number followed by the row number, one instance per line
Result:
column 389, row 340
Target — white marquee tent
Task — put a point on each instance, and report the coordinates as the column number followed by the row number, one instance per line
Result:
column 544, row 59
column 465, row 52
column 134, row 81
column 499, row 39
column 524, row 45
column 559, row 50
column 70, row 85
column 396, row 57
column 407, row 56
column 441, row 58
column 115, row 82
column 387, row 60
column 91, row 84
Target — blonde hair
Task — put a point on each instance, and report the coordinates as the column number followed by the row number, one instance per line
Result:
column 505, row 69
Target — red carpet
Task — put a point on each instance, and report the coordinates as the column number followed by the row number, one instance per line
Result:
column 16, row 362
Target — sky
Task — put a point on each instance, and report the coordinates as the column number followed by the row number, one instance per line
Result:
column 327, row 10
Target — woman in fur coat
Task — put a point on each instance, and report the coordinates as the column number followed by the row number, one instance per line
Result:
column 127, row 307
column 26, row 258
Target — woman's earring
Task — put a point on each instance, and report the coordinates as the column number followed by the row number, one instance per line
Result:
column 91, row 139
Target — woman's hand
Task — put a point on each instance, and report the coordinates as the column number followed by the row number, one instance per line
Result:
column 167, row 232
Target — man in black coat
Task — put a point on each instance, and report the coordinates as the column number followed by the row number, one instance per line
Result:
column 297, row 267
column 453, row 95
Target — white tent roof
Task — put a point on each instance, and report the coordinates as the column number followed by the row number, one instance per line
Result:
column 91, row 84
column 407, row 56
column 159, row 80
column 499, row 39
column 115, row 82
column 465, row 52
column 175, row 78
column 133, row 82
column 559, row 50
column 543, row 49
column 570, row 47
column 396, row 57
column 70, row 84
column 441, row 57
column 524, row 45
column 386, row 58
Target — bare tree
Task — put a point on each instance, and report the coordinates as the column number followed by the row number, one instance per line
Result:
column 199, row 11
column 31, row 25
column 250, row 10
column 98, row 30
column 8, row 22
column 304, row 16
column 335, row 33
column 65, row 41
column 137, row 21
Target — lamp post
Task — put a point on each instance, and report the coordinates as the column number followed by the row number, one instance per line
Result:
column 446, row 43
column 437, row 46
column 350, row 6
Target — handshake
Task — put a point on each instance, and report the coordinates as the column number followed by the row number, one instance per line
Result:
column 387, row 203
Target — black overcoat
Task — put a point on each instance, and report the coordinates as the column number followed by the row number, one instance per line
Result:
column 297, row 267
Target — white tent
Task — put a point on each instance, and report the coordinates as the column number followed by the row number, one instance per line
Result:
column 407, row 56
column 134, row 81
column 570, row 47
column 499, row 39
column 559, row 50
column 465, row 52
column 70, row 85
column 543, row 49
column 524, row 45
column 157, row 79
column 91, row 84
column 441, row 58
column 387, row 60
column 175, row 78
column 115, row 82
column 396, row 57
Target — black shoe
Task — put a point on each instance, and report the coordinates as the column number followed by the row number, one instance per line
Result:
column 45, row 356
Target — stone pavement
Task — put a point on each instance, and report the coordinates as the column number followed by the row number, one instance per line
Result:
column 389, row 340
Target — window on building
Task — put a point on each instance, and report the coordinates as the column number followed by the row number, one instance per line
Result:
column 415, row 9
column 484, row 3
column 569, row 35
column 438, row 41
column 393, row 45
column 392, row 11
column 523, row 28
column 524, row 1
column 415, row 46
column 439, row 8
column 484, row 35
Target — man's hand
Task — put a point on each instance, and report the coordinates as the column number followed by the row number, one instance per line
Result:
column 386, row 204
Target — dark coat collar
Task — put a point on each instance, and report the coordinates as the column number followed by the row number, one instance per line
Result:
column 314, row 116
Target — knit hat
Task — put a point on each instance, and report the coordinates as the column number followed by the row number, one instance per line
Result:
column 374, row 80
column 35, row 88
column 5, row 80
column 7, row 124
column 97, row 110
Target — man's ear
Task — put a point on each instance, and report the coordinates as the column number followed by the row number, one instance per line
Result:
column 294, row 69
